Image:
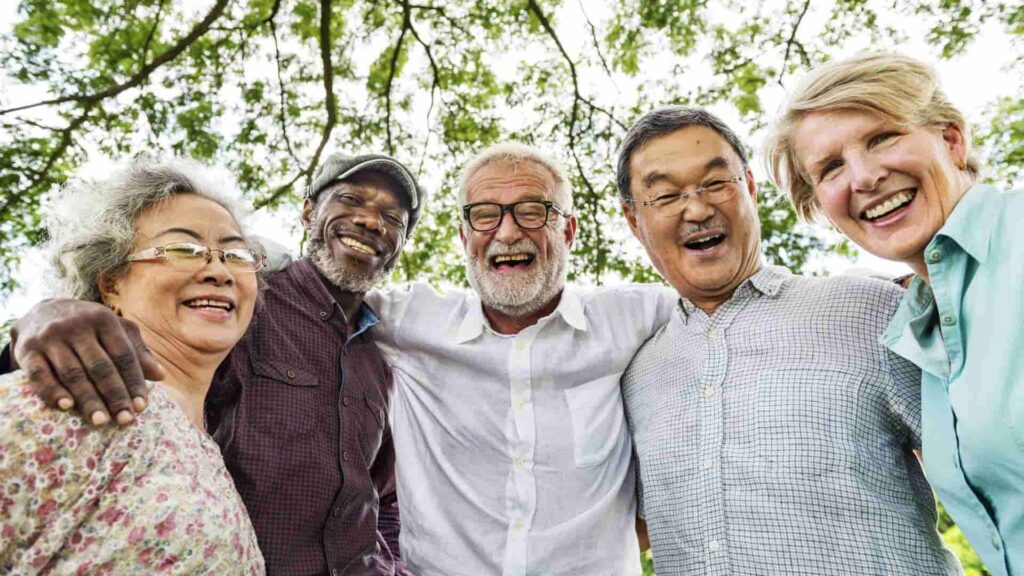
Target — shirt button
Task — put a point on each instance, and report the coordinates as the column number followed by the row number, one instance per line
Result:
column 711, row 334
column 518, row 525
column 948, row 320
column 707, row 464
column 336, row 512
column 344, row 455
column 713, row 546
column 520, row 404
column 518, row 462
column 709, row 392
column 346, row 401
column 520, row 345
column 997, row 542
column 323, row 314
column 934, row 256
column 291, row 373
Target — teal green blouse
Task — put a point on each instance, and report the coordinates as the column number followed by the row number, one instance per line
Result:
column 966, row 332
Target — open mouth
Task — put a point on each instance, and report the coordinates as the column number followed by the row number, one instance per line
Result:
column 510, row 261
column 357, row 245
column 205, row 303
column 705, row 243
column 897, row 201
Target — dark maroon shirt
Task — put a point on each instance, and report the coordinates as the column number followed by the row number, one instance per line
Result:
column 299, row 409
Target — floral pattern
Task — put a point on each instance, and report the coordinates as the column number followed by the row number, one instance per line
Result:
column 152, row 498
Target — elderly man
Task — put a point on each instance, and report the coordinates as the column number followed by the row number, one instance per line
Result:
column 298, row 408
column 775, row 434
column 507, row 418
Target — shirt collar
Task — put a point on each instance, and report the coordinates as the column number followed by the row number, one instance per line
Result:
column 967, row 224
column 311, row 283
column 473, row 323
column 767, row 281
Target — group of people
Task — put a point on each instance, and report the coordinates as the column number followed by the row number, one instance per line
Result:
column 190, row 408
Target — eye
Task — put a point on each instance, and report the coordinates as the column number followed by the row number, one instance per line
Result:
column 881, row 137
column 715, row 185
column 350, row 199
column 394, row 220
column 667, row 198
column 829, row 169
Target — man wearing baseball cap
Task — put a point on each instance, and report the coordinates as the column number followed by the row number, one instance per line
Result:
column 300, row 406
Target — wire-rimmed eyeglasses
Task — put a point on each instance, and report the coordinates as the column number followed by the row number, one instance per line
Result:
column 714, row 192
column 188, row 255
column 528, row 214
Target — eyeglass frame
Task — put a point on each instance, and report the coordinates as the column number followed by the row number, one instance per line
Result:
column 697, row 192
column 160, row 253
column 506, row 208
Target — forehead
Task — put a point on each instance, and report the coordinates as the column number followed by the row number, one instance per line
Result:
column 680, row 153
column 818, row 133
column 507, row 182
column 370, row 185
column 190, row 211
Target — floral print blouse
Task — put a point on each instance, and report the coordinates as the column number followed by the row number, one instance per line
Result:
column 151, row 498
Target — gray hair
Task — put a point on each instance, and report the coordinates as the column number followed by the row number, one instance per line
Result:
column 515, row 153
column 662, row 122
column 92, row 223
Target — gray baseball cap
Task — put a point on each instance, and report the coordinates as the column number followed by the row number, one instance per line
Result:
column 337, row 167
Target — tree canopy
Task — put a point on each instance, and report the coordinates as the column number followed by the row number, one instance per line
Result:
column 268, row 87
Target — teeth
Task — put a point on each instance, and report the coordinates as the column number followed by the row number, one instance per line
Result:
column 359, row 246
column 897, row 201
column 511, row 258
column 704, row 240
column 204, row 303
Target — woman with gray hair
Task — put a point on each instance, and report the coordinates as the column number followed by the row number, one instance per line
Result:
column 873, row 144
column 160, row 244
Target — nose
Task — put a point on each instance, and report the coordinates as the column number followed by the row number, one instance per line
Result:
column 508, row 230
column 370, row 219
column 215, row 271
column 697, row 210
column 865, row 172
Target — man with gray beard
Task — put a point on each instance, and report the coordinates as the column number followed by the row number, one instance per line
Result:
column 507, row 416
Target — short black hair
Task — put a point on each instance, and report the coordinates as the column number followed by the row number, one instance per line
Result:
column 662, row 122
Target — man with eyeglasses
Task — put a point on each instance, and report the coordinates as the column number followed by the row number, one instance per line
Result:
column 507, row 417
column 299, row 407
column 774, row 434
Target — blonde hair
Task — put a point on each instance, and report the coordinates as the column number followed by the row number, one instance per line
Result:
column 886, row 83
column 516, row 153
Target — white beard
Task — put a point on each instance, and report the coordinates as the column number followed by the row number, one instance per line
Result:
column 517, row 295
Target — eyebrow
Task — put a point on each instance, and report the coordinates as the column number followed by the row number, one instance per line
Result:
column 197, row 236
column 655, row 177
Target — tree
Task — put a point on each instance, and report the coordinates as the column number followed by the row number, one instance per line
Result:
column 267, row 86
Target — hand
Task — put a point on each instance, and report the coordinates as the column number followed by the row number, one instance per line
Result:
column 79, row 353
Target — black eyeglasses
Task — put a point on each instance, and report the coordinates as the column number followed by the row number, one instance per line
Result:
column 528, row 214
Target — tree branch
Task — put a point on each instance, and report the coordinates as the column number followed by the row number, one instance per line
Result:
column 280, row 84
column 435, row 85
column 406, row 24
column 597, row 45
column 152, row 30
column 792, row 40
column 139, row 77
column 442, row 13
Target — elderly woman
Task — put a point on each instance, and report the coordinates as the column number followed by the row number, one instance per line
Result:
column 159, row 244
column 873, row 144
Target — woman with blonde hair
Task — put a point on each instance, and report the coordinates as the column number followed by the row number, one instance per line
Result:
column 873, row 144
column 160, row 244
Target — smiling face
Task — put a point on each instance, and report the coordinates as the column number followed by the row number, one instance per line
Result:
column 514, row 270
column 357, row 230
column 706, row 250
column 888, row 187
column 206, row 308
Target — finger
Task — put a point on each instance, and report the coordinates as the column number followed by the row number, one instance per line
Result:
column 44, row 382
column 102, row 370
column 149, row 367
column 73, row 377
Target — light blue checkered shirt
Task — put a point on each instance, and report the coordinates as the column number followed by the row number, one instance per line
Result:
column 776, row 436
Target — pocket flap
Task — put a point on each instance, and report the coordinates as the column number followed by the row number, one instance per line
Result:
column 283, row 372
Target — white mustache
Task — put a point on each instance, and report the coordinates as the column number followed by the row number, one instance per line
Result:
column 521, row 246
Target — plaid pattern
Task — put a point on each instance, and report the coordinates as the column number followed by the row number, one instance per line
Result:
column 299, row 410
column 776, row 436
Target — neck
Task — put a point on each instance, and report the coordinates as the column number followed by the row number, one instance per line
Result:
column 710, row 302
column 504, row 324
column 349, row 302
column 189, row 373
column 918, row 265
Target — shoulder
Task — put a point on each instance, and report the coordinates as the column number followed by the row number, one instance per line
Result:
column 847, row 292
column 626, row 301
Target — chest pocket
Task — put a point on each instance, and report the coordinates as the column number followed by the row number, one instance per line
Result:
column 803, row 418
column 282, row 401
column 598, row 420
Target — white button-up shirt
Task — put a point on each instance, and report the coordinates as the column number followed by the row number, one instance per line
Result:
column 513, row 453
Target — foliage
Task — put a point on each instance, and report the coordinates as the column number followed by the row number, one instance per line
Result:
column 267, row 87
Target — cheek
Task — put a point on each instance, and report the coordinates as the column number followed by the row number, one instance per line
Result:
column 834, row 200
